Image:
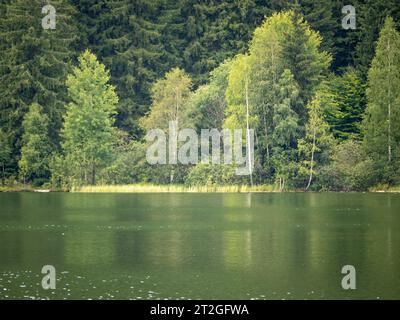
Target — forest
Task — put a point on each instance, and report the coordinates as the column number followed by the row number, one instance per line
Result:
column 77, row 100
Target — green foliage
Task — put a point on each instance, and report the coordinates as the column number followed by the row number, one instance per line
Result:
column 208, row 102
column 345, row 40
column 34, row 64
column 286, row 129
column 88, row 132
column 282, row 70
column 285, row 41
column 250, row 63
column 285, row 119
column 350, row 169
column 170, row 96
column 211, row 174
column 237, row 92
column 128, row 41
column 36, row 148
column 129, row 165
column 371, row 15
column 170, row 103
column 5, row 154
column 382, row 115
column 346, row 116
column 303, row 55
column 321, row 16
column 315, row 147
column 139, row 41
column 217, row 30
column 172, row 20
column 59, row 172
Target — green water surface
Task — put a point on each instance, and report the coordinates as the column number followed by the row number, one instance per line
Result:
column 200, row 246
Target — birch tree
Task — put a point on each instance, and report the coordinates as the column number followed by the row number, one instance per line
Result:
column 314, row 148
column 239, row 112
column 170, row 97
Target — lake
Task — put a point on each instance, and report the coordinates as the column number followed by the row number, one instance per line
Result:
column 200, row 246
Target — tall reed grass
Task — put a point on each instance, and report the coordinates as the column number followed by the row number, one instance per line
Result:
column 174, row 188
column 384, row 188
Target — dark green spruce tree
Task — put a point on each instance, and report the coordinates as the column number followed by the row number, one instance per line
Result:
column 348, row 91
column 36, row 148
column 218, row 30
column 129, row 44
column 371, row 15
column 34, row 63
column 308, row 63
column 320, row 16
column 172, row 20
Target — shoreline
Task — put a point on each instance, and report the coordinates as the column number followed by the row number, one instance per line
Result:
column 148, row 188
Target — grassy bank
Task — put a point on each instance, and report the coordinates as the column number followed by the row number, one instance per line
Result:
column 26, row 188
column 175, row 188
column 150, row 188
column 16, row 188
column 385, row 188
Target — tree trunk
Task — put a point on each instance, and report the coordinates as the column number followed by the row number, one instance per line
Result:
column 266, row 132
column 389, row 134
column 312, row 160
column 248, row 129
column 93, row 174
column 281, row 183
column 4, row 175
column 177, row 101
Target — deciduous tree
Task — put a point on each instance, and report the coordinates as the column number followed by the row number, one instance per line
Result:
column 89, row 132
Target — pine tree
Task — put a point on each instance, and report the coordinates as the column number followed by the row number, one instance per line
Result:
column 371, row 15
column 34, row 63
column 382, row 115
column 3, row 7
column 349, row 95
column 129, row 44
column 307, row 62
column 218, row 30
column 36, row 147
column 173, row 32
column 90, row 19
column 345, row 39
column 5, row 154
column 320, row 15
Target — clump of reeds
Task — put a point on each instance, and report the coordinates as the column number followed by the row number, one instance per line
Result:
column 175, row 188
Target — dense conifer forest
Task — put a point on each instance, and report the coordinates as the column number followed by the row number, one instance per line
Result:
column 77, row 100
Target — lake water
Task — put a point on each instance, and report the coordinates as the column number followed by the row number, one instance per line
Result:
column 200, row 246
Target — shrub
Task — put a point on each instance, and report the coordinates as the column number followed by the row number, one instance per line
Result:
column 350, row 169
